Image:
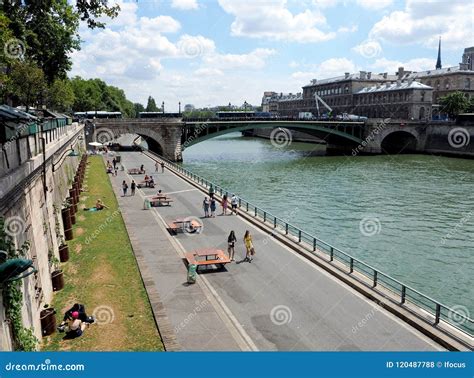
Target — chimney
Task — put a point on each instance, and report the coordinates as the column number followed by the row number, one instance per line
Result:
column 385, row 75
column 399, row 82
column 400, row 72
column 346, row 75
column 369, row 74
column 362, row 75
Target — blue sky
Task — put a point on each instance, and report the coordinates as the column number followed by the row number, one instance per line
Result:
column 207, row 52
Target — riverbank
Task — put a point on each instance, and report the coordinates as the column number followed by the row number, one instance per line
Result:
column 102, row 274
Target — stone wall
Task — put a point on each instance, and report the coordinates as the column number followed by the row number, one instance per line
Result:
column 35, row 209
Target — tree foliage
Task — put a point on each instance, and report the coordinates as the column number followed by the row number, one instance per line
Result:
column 151, row 105
column 94, row 94
column 27, row 83
column 454, row 103
column 138, row 109
column 61, row 95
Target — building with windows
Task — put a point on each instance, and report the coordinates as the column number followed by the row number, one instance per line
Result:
column 344, row 93
column 405, row 100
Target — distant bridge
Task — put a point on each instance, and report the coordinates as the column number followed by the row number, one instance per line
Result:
column 169, row 137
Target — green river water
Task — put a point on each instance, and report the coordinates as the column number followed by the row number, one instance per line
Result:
column 411, row 216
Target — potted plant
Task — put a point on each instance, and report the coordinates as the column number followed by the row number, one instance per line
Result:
column 63, row 249
column 48, row 320
column 57, row 278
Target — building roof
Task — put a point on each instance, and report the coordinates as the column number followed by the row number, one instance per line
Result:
column 11, row 114
column 394, row 87
column 434, row 73
column 354, row 76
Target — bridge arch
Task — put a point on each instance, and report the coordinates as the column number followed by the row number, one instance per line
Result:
column 400, row 142
column 325, row 132
column 155, row 140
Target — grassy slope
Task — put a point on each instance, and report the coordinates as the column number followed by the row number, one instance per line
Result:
column 104, row 273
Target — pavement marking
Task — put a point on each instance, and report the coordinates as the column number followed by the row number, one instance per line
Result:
column 185, row 190
column 241, row 337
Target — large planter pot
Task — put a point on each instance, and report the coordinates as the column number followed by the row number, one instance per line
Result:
column 48, row 321
column 57, row 280
column 63, row 253
column 67, row 223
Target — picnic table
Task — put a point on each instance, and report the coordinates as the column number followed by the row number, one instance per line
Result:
column 161, row 200
column 135, row 171
column 184, row 225
column 146, row 184
column 207, row 257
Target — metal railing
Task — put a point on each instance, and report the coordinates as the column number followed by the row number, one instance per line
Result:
column 431, row 310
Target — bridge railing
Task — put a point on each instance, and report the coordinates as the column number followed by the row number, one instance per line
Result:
column 416, row 302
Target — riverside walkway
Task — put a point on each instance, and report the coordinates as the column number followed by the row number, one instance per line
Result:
column 280, row 301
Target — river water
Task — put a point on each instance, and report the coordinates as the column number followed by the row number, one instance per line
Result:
column 411, row 216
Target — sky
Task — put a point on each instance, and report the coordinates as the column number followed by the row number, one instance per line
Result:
column 208, row 53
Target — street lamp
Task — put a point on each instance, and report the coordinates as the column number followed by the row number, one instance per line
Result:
column 163, row 107
column 179, row 107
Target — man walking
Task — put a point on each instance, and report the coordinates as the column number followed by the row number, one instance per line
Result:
column 132, row 187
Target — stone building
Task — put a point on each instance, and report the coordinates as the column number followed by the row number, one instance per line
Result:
column 340, row 92
column 405, row 100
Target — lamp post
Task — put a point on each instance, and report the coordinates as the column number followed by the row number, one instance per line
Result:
column 179, row 107
column 163, row 107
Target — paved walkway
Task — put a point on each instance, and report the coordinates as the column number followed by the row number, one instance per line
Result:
column 280, row 301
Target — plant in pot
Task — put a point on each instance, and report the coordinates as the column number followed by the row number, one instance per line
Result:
column 57, row 278
column 63, row 249
column 48, row 320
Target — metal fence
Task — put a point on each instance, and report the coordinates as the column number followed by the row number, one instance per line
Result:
column 428, row 308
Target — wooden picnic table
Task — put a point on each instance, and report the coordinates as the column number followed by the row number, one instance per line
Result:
column 207, row 257
column 181, row 224
column 135, row 171
column 161, row 200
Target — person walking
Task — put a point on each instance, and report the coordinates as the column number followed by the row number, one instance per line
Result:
column 116, row 169
column 211, row 192
column 162, row 167
column 213, row 207
column 133, row 187
column 248, row 246
column 124, row 188
column 114, row 162
column 157, row 165
column 233, row 202
column 205, row 205
column 224, row 205
column 231, row 239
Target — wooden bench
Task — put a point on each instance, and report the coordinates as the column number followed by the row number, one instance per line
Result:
column 144, row 184
column 207, row 257
column 161, row 202
column 183, row 225
column 135, row 171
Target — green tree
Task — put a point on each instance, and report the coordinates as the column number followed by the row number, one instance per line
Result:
column 454, row 103
column 48, row 29
column 27, row 83
column 61, row 95
column 151, row 105
column 138, row 109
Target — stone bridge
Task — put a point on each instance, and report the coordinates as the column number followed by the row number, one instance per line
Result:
column 170, row 136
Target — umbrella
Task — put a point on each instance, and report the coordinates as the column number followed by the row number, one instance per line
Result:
column 95, row 144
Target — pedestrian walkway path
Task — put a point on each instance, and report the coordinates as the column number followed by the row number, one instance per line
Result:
column 280, row 301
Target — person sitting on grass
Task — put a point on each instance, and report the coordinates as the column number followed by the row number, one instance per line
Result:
column 77, row 327
column 99, row 205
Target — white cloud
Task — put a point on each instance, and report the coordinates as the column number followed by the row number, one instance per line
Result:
column 374, row 4
column 255, row 60
column 209, row 72
column 272, row 20
column 348, row 29
column 160, row 24
column 185, row 4
column 422, row 21
column 195, row 46
column 326, row 69
column 391, row 66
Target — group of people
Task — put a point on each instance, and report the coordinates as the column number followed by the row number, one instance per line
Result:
column 250, row 250
column 133, row 187
column 112, row 169
column 158, row 165
column 75, row 321
column 210, row 204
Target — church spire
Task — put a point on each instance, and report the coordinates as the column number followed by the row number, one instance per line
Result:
column 438, row 62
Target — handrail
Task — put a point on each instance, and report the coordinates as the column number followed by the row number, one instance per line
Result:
column 406, row 293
